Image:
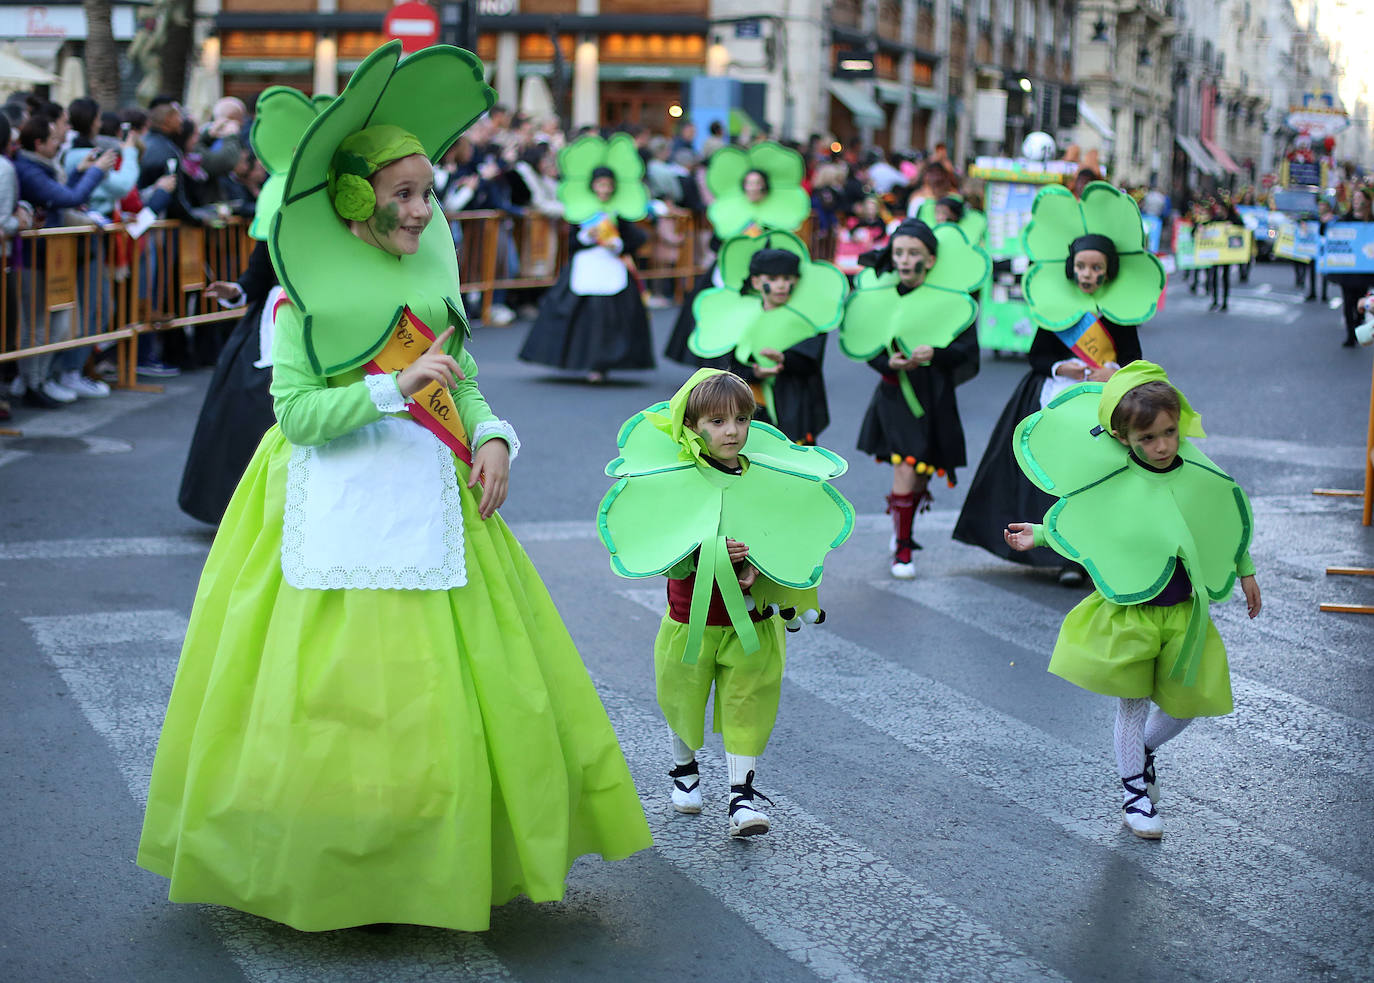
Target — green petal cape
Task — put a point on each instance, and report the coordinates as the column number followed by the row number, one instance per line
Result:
column 1127, row 525
column 878, row 319
column 576, row 162
column 727, row 320
column 667, row 503
column 1058, row 218
column 786, row 205
column 434, row 94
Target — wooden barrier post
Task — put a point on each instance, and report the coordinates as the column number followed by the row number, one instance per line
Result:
column 1368, row 509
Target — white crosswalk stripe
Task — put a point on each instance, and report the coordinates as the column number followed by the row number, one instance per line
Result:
column 1263, row 713
column 1214, row 857
column 118, row 667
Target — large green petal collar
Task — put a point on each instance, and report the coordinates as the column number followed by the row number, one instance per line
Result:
column 728, row 321
column 1058, row 218
column 351, row 293
column 1130, row 526
column 786, row 205
column 662, row 509
column 579, row 159
column 280, row 119
column 877, row 317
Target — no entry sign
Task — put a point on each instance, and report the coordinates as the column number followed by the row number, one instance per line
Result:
column 416, row 24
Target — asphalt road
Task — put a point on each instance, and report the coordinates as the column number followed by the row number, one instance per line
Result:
column 945, row 809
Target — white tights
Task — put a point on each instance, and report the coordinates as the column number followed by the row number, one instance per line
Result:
column 1138, row 727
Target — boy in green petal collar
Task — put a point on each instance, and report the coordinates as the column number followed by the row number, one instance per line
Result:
column 748, row 685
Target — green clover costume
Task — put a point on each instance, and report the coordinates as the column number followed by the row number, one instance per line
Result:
column 670, row 512
column 784, row 207
column 593, row 319
column 237, row 409
column 378, row 715
column 730, row 321
column 1160, row 546
column 914, row 413
column 1057, row 219
column 999, row 493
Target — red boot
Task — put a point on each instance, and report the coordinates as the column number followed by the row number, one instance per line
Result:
column 902, row 508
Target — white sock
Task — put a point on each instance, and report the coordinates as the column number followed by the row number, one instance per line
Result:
column 1161, row 727
column 740, row 765
column 1129, row 736
column 682, row 754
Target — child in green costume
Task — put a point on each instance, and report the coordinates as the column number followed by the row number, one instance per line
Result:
column 1162, row 531
column 378, row 715
column 687, row 487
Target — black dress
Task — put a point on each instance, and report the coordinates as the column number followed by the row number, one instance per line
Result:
column 937, row 438
column 999, row 492
column 798, row 391
column 238, row 406
column 592, row 332
column 686, row 322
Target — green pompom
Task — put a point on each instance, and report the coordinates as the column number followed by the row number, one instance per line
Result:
column 354, row 198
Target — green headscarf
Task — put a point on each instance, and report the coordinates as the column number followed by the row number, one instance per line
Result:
column 361, row 155
column 1138, row 373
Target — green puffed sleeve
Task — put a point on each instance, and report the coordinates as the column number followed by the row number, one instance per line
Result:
column 1245, row 567
column 309, row 410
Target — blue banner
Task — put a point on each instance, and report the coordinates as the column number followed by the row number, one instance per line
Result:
column 1348, row 247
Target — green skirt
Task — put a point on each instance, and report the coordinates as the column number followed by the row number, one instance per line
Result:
column 1128, row 650
column 344, row 757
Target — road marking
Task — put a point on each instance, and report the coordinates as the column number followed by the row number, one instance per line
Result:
column 1263, row 713
column 938, row 520
column 1215, row 857
column 832, row 905
column 83, row 416
column 827, row 901
column 91, row 652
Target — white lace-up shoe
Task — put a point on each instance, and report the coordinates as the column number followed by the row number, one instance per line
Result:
column 1138, row 812
column 686, row 788
column 746, row 819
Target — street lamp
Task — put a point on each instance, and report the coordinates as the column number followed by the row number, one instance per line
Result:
column 1024, row 83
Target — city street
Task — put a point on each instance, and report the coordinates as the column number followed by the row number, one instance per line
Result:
column 944, row 808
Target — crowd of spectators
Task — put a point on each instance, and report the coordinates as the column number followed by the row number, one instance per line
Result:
column 83, row 165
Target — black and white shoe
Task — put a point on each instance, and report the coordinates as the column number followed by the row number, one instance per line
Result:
column 746, row 819
column 686, row 788
column 1138, row 812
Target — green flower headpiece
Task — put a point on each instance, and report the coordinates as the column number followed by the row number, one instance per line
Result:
column 1065, row 451
column 786, row 205
column 727, row 321
column 580, row 158
column 1057, row 219
column 280, row 119
column 665, row 505
column 351, row 293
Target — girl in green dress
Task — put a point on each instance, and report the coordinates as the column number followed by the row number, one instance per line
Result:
column 379, row 716
column 1163, row 532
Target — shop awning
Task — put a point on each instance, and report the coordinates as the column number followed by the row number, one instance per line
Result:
column 928, row 99
column 893, row 92
column 16, row 70
column 856, row 99
column 1221, row 156
column 1198, row 156
column 1085, row 112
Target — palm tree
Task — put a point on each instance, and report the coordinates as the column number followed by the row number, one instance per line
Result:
column 102, row 64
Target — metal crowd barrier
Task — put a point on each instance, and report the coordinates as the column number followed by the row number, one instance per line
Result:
column 91, row 285
column 98, row 285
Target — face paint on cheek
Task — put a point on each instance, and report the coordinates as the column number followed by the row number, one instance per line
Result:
column 387, row 219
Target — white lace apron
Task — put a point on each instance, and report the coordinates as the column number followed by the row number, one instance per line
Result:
column 375, row 509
